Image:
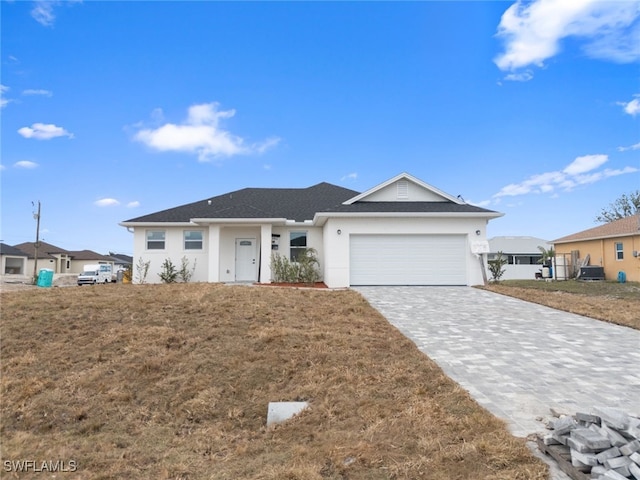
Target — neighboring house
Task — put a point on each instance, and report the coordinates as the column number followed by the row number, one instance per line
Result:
column 49, row 256
column 522, row 254
column 401, row 232
column 613, row 246
column 58, row 259
column 121, row 261
column 87, row 257
column 12, row 261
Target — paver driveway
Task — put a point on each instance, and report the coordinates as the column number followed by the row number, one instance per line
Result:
column 517, row 359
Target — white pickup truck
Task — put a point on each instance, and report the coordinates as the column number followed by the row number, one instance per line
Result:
column 92, row 274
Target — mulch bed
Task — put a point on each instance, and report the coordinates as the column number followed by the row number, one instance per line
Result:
column 295, row 285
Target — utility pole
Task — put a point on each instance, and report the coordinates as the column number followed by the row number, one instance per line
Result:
column 36, row 245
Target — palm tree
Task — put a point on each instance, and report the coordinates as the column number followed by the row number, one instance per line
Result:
column 547, row 259
column 547, row 255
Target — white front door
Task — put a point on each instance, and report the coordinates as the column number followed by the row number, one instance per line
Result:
column 246, row 265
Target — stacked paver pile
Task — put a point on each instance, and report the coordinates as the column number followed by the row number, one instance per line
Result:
column 604, row 444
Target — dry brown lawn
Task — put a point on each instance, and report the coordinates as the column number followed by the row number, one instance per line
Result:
column 608, row 301
column 173, row 382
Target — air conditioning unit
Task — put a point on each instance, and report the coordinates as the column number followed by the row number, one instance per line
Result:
column 591, row 273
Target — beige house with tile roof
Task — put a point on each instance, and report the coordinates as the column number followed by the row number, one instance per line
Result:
column 58, row 259
column 615, row 246
column 49, row 256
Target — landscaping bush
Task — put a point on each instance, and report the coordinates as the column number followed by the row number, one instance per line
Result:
column 168, row 274
column 496, row 267
column 185, row 273
column 142, row 269
column 304, row 270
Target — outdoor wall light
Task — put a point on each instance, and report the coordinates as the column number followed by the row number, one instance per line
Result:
column 478, row 232
column 339, row 232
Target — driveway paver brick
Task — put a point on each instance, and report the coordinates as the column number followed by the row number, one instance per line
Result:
column 517, row 359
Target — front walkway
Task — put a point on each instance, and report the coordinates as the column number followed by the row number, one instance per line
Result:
column 517, row 359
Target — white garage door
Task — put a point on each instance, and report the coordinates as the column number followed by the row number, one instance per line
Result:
column 408, row 260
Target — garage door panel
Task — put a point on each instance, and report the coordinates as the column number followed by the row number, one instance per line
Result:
column 408, row 260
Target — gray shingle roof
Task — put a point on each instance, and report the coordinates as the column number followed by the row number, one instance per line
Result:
column 45, row 250
column 9, row 250
column 122, row 258
column 408, row 207
column 89, row 255
column 297, row 204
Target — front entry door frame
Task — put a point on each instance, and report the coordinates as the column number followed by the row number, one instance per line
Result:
column 246, row 260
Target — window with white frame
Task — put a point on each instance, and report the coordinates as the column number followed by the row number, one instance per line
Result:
column 297, row 244
column 193, row 239
column 155, row 239
column 619, row 251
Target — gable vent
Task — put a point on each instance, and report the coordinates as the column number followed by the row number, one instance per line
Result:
column 402, row 189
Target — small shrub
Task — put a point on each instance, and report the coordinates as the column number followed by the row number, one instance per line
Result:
column 184, row 274
column 281, row 268
column 303, row 270
column 142, row 269
column 496, row 267
column 168, row 273
column 308, row 265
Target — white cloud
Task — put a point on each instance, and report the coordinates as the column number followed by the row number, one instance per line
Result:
column 635, row 146
column 106, row 202
column 632, row 107
column 482, row 203
column 42, row 12
column 585, row 164
column 31, row 91
column 133, row 204
column 606, row 173
column 536, row 184
column 266, row 145
column 519, row 77
column 533, row 30
column 4, row 101
column 350, row 176
column 42, row 131
column 579, row 172
column 25, row 164
column 201, row 134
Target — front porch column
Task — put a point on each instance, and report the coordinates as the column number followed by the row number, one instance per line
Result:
column 265, row 254
column 213, row 250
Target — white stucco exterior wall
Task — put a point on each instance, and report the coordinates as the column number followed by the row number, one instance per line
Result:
column 216, row 261
column 265, row 253
column 314, row 240
column 174, row 249
column 213, row 261
column 336, row 245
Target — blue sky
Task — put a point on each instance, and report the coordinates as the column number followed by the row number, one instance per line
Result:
column 112, row 110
